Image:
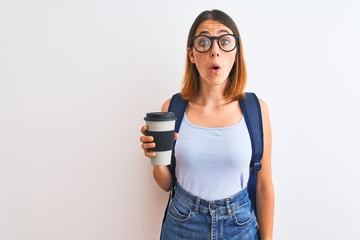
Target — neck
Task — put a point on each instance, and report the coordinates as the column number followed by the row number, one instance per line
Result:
column 211, row 96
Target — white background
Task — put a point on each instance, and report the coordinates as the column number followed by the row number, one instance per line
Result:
column 77, row 77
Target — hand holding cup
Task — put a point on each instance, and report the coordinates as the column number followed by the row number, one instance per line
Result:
column 147, row 142
column 159, row 136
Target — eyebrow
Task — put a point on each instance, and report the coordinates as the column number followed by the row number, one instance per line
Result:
column 206, row 32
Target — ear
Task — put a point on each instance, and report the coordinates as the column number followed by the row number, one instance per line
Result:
column 191, row 55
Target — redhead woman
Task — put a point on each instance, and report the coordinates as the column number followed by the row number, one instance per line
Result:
column 213, row 147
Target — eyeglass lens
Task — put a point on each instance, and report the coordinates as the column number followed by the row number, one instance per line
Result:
column 226, row 42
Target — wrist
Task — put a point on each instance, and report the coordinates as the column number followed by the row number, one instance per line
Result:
column 160, row 168
column 269, row 238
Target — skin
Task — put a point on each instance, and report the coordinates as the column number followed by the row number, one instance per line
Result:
column 210, row 109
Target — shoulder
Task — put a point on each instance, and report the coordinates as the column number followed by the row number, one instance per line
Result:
column 175, row 101
column 263, row 105
column 165, row 105
column 264, row 112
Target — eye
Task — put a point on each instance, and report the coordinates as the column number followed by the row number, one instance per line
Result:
column 204, row 42
column 225, row 41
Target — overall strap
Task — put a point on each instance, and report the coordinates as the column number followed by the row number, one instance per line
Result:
column 252, row 113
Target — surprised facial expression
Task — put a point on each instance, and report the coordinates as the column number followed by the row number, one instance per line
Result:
column 214, row 65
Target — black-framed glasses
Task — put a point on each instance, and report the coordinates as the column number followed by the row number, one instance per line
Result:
column 226, row 42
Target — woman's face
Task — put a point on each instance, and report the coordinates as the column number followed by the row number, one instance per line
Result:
column 214, row 65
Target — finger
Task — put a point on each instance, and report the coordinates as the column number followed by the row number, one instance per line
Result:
column 146, row 139
column 143, row 129
column 176, row 135
column 147, row 146
column 150, row 154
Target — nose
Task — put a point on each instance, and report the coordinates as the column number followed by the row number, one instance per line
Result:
column 215, row 54
column 215, row 50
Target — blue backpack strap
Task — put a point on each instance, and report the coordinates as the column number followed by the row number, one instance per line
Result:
column 178, row 106
column 253, row 118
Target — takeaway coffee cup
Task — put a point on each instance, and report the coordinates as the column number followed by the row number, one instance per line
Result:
column 161, row 126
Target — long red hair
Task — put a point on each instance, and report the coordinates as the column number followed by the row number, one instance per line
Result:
column 238, row 75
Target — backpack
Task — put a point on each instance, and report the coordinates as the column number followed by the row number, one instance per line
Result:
column 250, row 107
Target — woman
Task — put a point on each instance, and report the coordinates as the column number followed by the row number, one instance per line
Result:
column 209, row 169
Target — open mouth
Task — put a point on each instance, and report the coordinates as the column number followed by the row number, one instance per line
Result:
column 215, row 67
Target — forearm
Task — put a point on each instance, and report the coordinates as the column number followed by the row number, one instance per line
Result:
column 265, row 211
column 163, row 177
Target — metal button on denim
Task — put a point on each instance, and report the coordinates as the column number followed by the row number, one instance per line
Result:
column 213, row 206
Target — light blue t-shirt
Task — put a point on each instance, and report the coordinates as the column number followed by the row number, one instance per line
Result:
column 213, row 163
